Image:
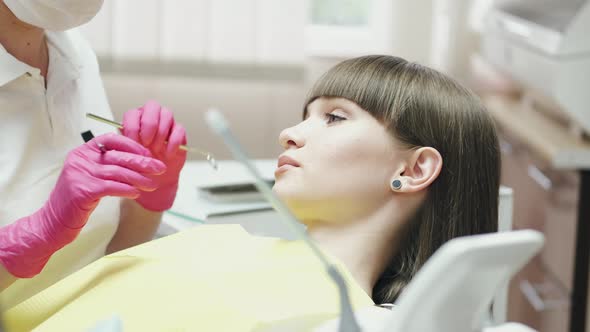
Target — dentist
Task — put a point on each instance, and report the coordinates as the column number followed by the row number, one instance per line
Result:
column 57, row 216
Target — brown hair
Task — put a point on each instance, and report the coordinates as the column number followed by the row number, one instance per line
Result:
column 422, row 107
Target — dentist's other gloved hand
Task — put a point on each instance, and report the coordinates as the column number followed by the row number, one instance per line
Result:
column 87, row 175
column 154, row 127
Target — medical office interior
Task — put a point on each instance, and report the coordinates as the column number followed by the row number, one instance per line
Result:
column 254, row 61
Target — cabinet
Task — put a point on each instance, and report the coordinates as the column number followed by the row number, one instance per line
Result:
column 546, row 168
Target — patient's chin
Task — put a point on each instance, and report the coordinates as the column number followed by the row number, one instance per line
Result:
column 285, row 191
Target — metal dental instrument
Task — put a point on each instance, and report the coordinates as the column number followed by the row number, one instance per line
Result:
column 207, row 155
column 217, row 123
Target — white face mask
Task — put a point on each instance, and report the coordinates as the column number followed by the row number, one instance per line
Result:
column 56, row 15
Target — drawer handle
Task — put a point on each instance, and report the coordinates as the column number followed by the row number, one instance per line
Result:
column 534, row 293
column 539, row 177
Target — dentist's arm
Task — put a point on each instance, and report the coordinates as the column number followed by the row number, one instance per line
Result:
column 152, row 126
column 136, row 225
column 87, row 175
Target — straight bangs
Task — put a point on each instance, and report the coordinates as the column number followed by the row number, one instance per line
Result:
column 365, row 83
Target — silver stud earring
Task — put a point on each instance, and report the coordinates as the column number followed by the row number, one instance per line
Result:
column 396, row 184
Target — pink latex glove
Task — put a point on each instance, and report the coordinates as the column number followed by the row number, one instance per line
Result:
column 87, row 175
column 154, row 127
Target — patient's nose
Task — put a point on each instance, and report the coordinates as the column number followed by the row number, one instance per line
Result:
column 291, row 138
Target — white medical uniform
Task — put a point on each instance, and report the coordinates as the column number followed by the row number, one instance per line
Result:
column 38, row 128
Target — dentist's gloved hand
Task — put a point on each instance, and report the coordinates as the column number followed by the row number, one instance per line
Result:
column 154, row 127
column 87, row 175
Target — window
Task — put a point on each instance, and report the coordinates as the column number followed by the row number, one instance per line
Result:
column 340, row 12
column 348, row 27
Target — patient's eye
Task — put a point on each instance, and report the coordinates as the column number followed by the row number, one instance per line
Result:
column 331, row 117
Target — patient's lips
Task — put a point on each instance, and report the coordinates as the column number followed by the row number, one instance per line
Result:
column 284, row 164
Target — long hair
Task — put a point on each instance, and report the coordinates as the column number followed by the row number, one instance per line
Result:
column 421, row 107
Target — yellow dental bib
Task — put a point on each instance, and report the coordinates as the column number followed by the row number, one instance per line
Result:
column 209, row 278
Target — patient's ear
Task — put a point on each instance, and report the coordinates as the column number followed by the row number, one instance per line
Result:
column 422, row 167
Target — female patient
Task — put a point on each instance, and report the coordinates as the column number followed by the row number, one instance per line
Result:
column 391, row 160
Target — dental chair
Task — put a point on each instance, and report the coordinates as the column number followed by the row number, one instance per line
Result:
column 453, row 291
column 463, row 287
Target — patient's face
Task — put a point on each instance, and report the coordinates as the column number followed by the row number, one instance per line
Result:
column 344, row 159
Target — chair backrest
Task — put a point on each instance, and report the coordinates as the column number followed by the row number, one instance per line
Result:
column 453, row 290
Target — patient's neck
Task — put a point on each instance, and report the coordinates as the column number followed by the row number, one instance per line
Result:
column 365, row 246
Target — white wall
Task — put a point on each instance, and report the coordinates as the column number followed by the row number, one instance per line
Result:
column 237, row 31
column 411, row 24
